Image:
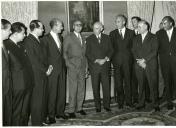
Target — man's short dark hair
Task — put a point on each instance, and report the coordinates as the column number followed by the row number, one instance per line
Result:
column 123, row 16
column 34, row 24
column 136, row 17
column 5, row 23
column 54, row 22
column 170, row 19
column 17, row 27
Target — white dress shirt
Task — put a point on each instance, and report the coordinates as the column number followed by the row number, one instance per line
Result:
column 123, row 31
column 169, row 33
column 143, row 36
column 79, row 36
column 56, row 39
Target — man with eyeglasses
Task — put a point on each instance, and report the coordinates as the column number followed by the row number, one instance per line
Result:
column 74, row 54
column 167, row 56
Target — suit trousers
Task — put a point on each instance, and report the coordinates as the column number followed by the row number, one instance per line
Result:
column 17, row 105
column 134, row 86
column 7, row 109
column 123, row 73
column 102, row 77
column 168, row 70
column 76, row 84
column 149, row 74
column 25, row 113
column 56, row 94
column 39, row 99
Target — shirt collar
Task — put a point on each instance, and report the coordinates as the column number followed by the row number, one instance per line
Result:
column 13, row 40
column 76, row 33
column 123, row 29
column 144, row 34
column 53, row 33
column 171, row 30
column 98, row 36
column 35, row 36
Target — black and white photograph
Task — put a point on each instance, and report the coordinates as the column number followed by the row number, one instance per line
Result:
column 88, row 63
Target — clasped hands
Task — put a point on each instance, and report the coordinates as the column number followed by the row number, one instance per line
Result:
column 101, row 61
column 141, row 63
column 50, row 69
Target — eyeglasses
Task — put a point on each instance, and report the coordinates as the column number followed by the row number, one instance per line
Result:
column 79, row 25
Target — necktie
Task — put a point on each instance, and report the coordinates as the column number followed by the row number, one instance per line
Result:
column 80, row 39
column 99, row 39
column 120, row 32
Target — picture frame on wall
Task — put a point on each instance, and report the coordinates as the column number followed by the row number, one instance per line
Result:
column 87, row 11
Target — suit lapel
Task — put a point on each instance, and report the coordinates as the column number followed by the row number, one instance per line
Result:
column 173, row 33
column 52, row 41
column 34, row 39
column 146, row 38
column 166, row 36
column 77, row 40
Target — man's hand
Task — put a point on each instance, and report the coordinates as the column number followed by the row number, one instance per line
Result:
column 100, row 61
column 141, row 63
column 49, row 71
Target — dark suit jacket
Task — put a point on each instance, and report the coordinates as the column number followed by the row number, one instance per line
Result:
column 36, row 54
column 96, row 50
column 74, row 52
column 54, row 56
column 147, row 50
column 166, row 48
column 122, row 48
column 19, row 67
column 6, row 77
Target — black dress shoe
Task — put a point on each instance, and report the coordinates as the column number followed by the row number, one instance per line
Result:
column 98, row 110
column 65, row 117
column 157, row 109
column 170, row 106
column 51, row 120
column 82, row 112
column 130, row 105
column 139, row 107
column 71, row 115
column 107, row 109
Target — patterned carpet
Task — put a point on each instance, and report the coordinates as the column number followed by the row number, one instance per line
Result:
column 124, row 116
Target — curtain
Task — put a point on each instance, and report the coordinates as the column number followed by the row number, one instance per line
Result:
column 19, row 11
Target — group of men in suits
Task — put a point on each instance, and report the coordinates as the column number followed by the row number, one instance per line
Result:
column 35, row 69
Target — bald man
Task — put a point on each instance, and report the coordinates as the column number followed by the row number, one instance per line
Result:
column 145, row 48
column 99, row 52
column 56, row 86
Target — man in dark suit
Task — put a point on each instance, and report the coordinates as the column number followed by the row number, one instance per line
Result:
column 56, row 87
column 21, row 75
column 145, row 48
column 99, row 52
column 134, row 84
column 167, row 56
column 121, row 39
column 74, row 54
column 6, row 76
column 37, row 58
